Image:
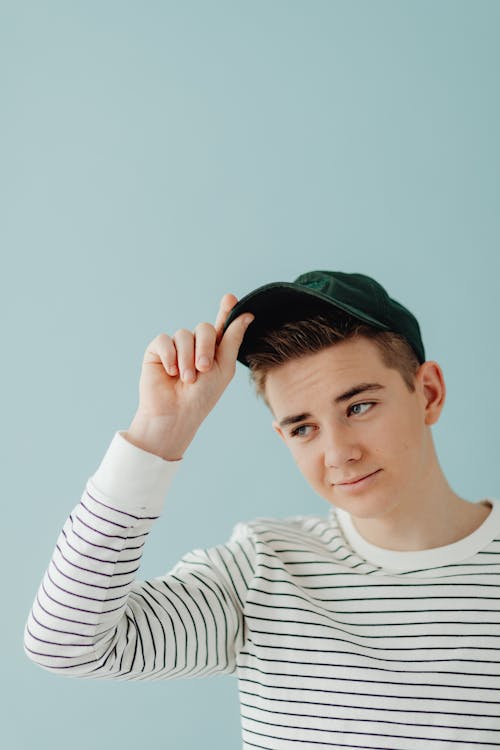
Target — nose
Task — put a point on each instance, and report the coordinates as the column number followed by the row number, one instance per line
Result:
column 340, row 446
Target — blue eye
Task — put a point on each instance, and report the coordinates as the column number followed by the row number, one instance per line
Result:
column 296, row 433
column 364, row 403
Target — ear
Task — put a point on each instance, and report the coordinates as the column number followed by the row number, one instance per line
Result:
column 433, row 390
column 278, row 429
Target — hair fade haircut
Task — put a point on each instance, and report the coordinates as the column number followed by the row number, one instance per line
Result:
column 320, row 330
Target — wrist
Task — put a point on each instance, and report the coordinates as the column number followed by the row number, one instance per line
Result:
column 157, row 435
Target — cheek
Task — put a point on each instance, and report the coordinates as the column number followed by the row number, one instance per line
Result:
column 396, row 443
column 300, row 459
column 309, row 463
column 300, row 455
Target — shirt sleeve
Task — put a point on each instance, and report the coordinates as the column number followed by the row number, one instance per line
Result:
column 92, row 618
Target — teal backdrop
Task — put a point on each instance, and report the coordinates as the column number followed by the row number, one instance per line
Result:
column 155, row 155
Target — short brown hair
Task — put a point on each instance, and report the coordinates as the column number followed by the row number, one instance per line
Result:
column 301, row 337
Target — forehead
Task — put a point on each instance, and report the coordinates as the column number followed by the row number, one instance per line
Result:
column 334, row 368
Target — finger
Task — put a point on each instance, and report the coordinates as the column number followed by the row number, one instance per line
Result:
column 227, row 303
column 184, row 344
column 227, row 351
column 205, row 337
column 162, row 349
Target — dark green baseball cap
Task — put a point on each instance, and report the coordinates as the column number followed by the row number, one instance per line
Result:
column 317, row 291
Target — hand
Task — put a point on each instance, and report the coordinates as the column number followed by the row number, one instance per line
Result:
column 182, row 378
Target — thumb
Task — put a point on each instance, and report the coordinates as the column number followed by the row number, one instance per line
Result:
column 227, row 351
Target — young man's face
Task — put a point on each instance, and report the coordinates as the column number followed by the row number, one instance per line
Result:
column 335, row 438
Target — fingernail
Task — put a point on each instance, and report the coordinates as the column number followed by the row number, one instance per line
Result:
column 188, row 375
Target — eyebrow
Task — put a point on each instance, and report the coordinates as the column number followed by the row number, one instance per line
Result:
column 354, row 391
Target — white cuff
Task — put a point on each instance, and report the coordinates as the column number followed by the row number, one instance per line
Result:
column 131, row 479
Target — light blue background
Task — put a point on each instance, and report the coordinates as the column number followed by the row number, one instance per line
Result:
column 155, row 155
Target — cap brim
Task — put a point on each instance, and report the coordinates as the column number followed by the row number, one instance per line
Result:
column 281, row 302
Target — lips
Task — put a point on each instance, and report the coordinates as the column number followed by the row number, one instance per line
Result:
column 358, row 479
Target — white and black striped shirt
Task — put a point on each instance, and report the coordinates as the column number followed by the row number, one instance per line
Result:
column 336, row 643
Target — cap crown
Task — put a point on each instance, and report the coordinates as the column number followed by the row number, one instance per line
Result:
column 357, row 294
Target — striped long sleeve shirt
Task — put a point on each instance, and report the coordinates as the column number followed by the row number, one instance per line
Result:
column 336, row 643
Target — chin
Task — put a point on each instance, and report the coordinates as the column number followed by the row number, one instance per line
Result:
column 364, row 505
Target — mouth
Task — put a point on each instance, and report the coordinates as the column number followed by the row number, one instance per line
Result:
column 357, row 481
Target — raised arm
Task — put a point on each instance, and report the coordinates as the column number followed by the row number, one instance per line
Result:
column 91, row 617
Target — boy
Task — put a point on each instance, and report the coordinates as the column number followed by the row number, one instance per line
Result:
column 376, row 626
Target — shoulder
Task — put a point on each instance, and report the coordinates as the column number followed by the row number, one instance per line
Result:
column 262, row 526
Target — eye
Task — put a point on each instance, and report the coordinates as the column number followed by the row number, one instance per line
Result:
column 296, row 432
column 364, row 403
